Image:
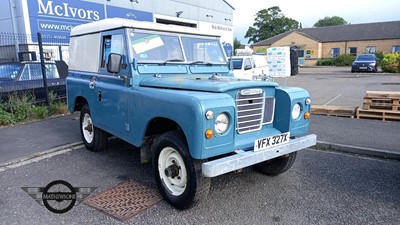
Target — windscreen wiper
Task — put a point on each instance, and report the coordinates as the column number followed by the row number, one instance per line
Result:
column 201, row 62
column 170, row 60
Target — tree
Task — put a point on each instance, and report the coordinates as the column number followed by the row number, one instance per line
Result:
column 268, row 23
column 236, row 44
column 331, row 21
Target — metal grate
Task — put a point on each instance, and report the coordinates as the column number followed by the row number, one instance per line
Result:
column 124, row 200
column 253, row 110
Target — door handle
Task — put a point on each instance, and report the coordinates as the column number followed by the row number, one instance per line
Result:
column 92, row 81
column 99, row 96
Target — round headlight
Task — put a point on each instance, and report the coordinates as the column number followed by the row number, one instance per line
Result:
column 296, row 111
column 221, row 123
column 308, row 101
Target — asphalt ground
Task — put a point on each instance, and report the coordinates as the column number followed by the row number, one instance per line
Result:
column 338, row 86
column 320, row 188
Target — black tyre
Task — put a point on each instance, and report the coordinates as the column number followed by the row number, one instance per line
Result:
column 177, row 174
column 276, row 166
column 94, row 138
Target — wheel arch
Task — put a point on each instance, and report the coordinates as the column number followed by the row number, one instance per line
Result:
column 79, row 102
column 156, row 127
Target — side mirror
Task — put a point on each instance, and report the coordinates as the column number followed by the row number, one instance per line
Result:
column 248, row 67
column 114, row 63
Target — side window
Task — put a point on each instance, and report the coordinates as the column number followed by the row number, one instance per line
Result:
column 34, row 72
column 370, row 49
column 335, row 52
column 254, row 63
column 51, row 71
column 396, row 48
column 247, row 62
column 112, row 44
column 352, row 51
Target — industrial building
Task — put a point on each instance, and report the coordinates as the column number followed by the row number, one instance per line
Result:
column 54, row 19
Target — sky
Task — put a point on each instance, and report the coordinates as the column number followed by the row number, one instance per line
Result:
column 307, row 12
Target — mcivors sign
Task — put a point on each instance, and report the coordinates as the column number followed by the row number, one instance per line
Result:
column 55, row 18
column 64, row 9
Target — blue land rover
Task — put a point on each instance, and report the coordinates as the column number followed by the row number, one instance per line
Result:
column 170, row 91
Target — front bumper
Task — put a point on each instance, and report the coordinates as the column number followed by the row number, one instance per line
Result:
column 367, row 68
column 244, row 159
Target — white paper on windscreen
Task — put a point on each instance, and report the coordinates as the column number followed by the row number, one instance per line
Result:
column 147, row 43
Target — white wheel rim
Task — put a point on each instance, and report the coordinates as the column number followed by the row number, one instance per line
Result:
column 175, row 185
column 87, row 128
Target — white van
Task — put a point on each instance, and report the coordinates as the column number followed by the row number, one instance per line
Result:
column 246, row 67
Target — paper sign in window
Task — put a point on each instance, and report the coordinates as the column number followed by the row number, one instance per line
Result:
column 147, row 43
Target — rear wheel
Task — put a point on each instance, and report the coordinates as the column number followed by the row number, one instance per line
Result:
column 178, row 175
column 94, row 138
column 276, row 166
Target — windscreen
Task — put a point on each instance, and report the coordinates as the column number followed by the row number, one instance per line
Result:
column 203, row 50
column 9, row 71
column 152, row 47
column 365, row 57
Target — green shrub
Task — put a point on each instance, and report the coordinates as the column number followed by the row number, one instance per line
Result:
column 58, row 108
column 6, row 118
column 19, row 108
column 341, row 60
column 326, row 62
column 19, row 105
column 344, row 60
column 379, row 55
column 39, row 112
column 391, row 63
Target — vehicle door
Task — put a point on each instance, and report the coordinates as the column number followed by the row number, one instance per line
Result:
column 111, row 92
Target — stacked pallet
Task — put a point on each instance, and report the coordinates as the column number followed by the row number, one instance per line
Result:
column 332, row 110
column 383, row 105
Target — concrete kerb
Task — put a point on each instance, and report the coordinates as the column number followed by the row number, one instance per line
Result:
column 321, row 145
column 40, row 156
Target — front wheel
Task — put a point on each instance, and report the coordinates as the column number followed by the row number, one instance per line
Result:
column 94, row 138
column 177, row 175
column 276, row 166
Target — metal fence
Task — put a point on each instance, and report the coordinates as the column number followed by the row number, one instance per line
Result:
column 33, row 65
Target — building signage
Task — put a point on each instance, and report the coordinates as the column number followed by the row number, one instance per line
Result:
column 55, row 18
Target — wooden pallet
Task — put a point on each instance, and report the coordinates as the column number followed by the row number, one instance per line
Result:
column 383, row 94
column 332, row 110
column 384, row 115
column 382, row 100
column 381, row 103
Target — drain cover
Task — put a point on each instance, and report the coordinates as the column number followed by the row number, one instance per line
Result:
column 124, row 200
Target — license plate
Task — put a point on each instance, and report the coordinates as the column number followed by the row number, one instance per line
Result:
column 363, row 67
column 271, row 141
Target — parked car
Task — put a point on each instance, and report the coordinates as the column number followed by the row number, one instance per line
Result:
column 365, row 62
column 27, row 77
column 249, row 67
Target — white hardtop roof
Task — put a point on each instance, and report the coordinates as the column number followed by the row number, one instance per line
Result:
column 115, row 23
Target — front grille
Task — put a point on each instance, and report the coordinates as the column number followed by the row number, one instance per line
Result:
column 253, row 110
